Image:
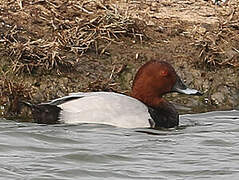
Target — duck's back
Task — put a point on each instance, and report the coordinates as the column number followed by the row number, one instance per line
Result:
column 104, row 108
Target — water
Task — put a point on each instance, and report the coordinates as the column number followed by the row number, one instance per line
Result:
column 206, row 146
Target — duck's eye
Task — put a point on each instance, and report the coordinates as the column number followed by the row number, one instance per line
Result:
column 163, row 73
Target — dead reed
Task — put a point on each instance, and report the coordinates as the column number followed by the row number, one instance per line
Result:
column 39, row 34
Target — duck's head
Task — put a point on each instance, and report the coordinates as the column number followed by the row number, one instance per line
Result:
column 156, row 78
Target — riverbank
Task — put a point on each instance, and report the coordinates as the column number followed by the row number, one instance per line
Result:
column 52, row 48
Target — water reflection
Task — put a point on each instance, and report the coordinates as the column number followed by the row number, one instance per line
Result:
column 203, row 146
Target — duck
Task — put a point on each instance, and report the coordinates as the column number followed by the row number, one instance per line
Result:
column 144, row 107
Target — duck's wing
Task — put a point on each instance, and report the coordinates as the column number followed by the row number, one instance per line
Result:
column 72, row 96
column 62, row 100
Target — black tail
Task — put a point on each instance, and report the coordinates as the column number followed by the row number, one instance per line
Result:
column 44, row 113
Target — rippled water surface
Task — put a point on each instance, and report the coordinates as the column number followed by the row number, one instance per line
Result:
column 205, row 146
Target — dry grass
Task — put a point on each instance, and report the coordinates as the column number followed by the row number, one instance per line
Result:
column 220, row 47
column 54, row 35
column 42, row 37
column 37, row 34
column 13, row 89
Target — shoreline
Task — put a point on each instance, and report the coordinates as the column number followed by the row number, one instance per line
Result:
column 49, row 50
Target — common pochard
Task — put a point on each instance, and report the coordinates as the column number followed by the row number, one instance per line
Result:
column 145, row 107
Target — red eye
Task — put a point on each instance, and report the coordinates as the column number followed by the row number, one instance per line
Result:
column 164, row 73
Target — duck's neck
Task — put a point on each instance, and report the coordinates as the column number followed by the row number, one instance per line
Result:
column 148, row 98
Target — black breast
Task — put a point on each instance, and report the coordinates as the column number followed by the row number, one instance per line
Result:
column 165, row 117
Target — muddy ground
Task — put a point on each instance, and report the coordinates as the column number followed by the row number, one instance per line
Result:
column 52, row 48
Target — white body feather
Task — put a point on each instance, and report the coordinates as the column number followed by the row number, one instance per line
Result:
column 105, row 108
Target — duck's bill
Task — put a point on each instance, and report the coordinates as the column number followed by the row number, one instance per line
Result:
column 189, row 91
column 180, row 87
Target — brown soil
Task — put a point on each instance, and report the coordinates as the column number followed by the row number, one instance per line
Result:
column 52, row 48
